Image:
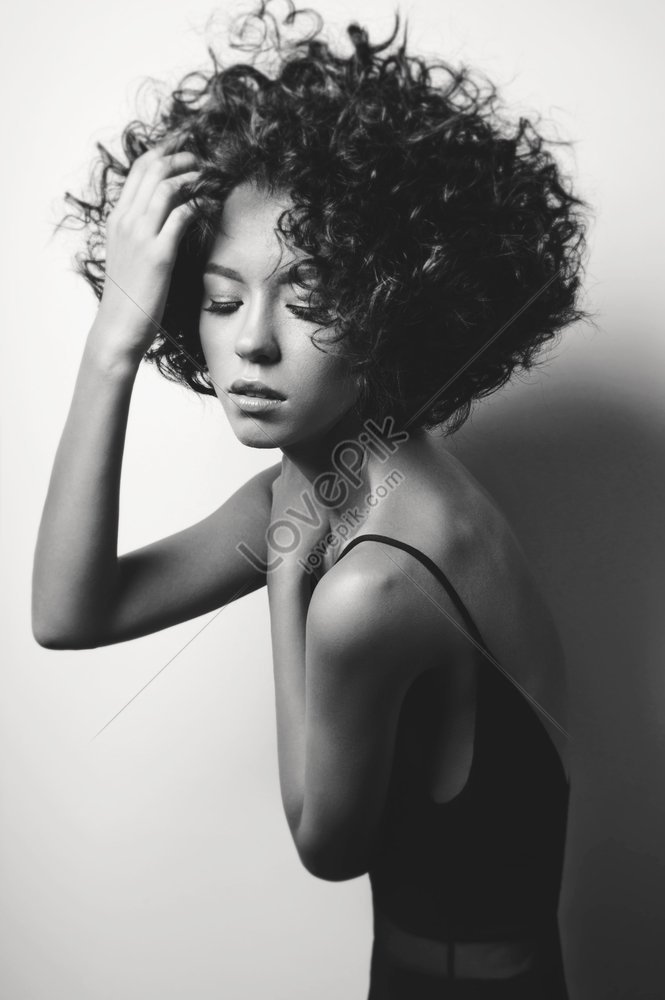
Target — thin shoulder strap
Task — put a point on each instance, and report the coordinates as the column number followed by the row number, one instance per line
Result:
column 459, row 603
column 432, row 566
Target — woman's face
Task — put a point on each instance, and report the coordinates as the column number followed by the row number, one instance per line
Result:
column 264, row 333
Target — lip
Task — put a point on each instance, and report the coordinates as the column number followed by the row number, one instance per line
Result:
column 255, row 388
column 255, row 404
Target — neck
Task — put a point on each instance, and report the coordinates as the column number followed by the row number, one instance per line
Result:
column 346, row 468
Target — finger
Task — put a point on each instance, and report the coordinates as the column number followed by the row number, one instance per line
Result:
column 174, row 227
column 139, row 189
column 156, row 171
column 167, row 194
column 170, row 143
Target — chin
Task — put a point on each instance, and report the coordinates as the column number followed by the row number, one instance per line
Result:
column 272, row 432
column 256, row 437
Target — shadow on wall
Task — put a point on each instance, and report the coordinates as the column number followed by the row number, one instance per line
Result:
column 582, row 482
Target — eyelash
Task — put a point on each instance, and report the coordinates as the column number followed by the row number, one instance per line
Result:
column 226, row 308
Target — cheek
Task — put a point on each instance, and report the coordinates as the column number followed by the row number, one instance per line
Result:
column 214, row 351
column 205, row 340
column 338, row 391
column 328, row 377
column 327, row 364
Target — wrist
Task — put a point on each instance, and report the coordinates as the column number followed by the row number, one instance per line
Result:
column 106, row 356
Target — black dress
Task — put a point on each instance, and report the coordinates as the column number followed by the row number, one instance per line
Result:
column 483, row 867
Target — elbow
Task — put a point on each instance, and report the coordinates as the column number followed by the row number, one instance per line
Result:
column 52, row 639
column 48, row 635
column 44, row 638
column 329, row 864
column 53, row 628
column 48, row 641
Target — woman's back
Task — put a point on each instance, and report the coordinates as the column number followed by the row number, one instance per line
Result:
column 472, row 840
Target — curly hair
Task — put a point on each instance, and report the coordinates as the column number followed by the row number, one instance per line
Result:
column 441, row 242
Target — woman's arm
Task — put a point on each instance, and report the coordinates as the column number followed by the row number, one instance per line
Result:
column 289, row 592
column 83, row 594
column 75, row 567
column 343, row 662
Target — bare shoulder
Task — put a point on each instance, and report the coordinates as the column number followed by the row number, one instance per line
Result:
column 462, row 530
column 378, row 603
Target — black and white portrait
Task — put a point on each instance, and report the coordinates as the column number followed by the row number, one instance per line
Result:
column 332, row 503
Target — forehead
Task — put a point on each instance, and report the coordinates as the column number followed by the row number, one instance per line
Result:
column 247, row 230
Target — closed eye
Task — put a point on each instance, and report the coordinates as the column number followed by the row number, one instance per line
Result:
column 221, row 307
column 228, row 307
column 302, row 312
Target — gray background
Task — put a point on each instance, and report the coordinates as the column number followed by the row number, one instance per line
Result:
column 155, row 861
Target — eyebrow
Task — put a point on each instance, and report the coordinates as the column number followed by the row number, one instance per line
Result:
column 228, row 272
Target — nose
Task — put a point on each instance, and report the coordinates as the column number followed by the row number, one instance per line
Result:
column 257, row 338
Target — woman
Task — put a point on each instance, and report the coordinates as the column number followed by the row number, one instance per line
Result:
column 364, row 243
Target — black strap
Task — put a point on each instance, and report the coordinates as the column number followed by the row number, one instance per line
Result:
column 432, row 566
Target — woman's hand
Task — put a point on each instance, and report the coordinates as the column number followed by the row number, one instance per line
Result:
column 294, row 501
column 143, row 233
